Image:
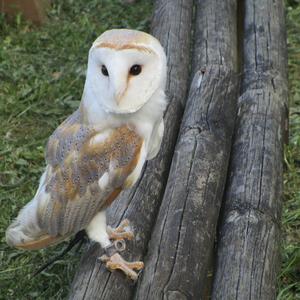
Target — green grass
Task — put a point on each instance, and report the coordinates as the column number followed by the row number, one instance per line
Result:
column 289, row 286
column 42, row 72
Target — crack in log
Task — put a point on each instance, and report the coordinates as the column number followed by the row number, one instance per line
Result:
column 208, row 105
column 264, row 266
column 255, row 37
column 241, row 257
column 206, row 42
column 252, row 269
column 87, row 286
column 104, row 288
column 263, row 155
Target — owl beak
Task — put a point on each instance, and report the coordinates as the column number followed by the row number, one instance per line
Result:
column 119, row 85
column 118, row 97
column 120, row 92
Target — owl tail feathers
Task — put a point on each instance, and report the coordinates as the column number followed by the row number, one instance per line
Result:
column 25, row 233
column 19, row 238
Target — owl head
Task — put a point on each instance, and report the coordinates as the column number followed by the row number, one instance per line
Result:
column 125, row 69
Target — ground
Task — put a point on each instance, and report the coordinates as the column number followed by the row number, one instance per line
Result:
column 42, row 73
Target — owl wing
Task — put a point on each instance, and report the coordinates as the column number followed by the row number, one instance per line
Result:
column 86, row 170
column 156, row 139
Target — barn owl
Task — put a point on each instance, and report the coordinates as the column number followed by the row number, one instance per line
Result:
column 101, row 148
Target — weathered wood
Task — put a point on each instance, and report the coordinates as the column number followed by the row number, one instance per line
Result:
column 171, row 23
column 249, row 237
column 182, row 241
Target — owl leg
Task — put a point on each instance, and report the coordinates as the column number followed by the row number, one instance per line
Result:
column 96, row 231
column 121, row 232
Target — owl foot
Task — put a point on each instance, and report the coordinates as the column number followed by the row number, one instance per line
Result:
column 121, row 232
column 116, row 261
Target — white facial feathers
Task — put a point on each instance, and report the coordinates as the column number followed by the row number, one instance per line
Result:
column 125, row 69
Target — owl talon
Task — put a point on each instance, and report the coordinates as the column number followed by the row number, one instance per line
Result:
column 121, row 232
column 116, row 262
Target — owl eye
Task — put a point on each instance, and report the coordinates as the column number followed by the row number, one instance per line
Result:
column 104, row 70
column 135, row 70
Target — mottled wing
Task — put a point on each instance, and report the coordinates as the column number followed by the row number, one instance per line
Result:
column 156, row 139
column 87, row 168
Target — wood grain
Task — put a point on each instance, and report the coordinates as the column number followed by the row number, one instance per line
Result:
column 249, row 236
column 183, row 238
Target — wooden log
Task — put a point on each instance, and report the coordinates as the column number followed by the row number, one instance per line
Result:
column 249, row 238
column 183, row 237
column 171, row 23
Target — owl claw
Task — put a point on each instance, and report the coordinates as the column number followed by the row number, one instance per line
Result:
column 116, row 262
column 121, row 232
column 113, row 260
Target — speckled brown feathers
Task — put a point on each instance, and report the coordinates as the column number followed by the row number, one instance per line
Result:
column 78, row 156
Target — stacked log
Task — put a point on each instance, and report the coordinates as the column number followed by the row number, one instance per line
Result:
column 249, row 238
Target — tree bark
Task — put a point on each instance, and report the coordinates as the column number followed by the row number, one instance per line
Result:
column 182, row 241
column 171, row 23
column 249, row 236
